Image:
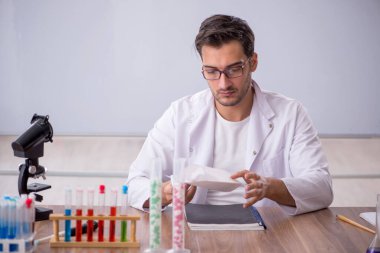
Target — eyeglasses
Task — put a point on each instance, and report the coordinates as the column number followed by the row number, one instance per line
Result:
column 230, row 72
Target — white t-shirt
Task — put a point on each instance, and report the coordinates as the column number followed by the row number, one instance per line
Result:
column 229, row 154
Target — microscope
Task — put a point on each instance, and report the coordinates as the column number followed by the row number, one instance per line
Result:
column 30, row 145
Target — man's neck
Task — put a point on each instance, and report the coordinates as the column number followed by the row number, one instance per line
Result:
column 237, row 112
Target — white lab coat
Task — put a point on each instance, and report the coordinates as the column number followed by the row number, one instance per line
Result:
column 281, row 143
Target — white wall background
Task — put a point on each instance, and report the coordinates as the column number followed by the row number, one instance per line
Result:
column 113, row 67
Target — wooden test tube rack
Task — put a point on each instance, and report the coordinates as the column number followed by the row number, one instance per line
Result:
column 58, row 241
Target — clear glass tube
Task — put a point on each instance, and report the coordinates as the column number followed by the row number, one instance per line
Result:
column 20, row 217
column 113, row 213
column 11, row 218
column 29, row 218
column 178, row 229
column 3, row 218
column 155, row 201
column 178, row 232
column 78, row 212
column 101, row 211
column 68, row 203
column 374, row 247
column 124, row 204
column 178, row 224
column 90, row 212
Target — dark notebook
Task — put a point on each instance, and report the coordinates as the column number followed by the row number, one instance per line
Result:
column 223, row 217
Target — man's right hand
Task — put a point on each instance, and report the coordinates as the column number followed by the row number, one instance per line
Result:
column 167, row 194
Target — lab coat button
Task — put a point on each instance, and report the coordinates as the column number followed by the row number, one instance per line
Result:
column 270, row 125
column 254, row 152
column 191, row 150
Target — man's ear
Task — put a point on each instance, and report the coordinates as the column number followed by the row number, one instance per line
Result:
column 253, row 62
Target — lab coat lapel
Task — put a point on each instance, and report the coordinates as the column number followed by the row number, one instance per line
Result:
column 260, row 125
column 202, row 137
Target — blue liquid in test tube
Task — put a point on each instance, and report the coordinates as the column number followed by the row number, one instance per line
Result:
column 68, row 196
column 3, row 218
column 11, row 218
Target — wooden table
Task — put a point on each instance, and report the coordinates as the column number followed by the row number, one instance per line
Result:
column 313, row 232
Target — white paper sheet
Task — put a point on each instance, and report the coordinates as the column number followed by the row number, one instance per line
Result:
column 210, row 178
column 369, row 216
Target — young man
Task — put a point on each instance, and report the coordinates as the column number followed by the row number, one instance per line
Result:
column 262, row 137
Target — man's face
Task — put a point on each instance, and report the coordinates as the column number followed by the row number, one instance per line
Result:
column 228, row 91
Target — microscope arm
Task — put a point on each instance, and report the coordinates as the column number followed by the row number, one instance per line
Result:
column 23, row 179
column 27, row 170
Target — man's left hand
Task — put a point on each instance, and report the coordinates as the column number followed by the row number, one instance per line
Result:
column 256, row 188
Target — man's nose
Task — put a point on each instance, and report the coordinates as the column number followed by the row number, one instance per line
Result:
column 224, row 81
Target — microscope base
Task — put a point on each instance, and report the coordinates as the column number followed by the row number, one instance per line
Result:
column 43, row 213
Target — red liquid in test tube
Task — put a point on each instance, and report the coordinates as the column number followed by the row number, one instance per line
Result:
column 90, row 212
column 78, row 212
column 101, row 212
column 101, row 230
column 113, row 213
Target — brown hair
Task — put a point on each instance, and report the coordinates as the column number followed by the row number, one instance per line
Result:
column 220, row 29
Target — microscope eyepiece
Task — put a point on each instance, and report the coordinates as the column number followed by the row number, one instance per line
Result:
column 30, row 143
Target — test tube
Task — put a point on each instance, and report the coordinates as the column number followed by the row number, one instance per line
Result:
column 78, row 212
column 3, row 218
column 11, row 218
column 113, row 213
column 101, row 212
column 68, row 203
column 29, row 215
column 178, row 224
column 25, row 226
column 90, row 212
column 124, row 203
column 155, row 201
column 20, row 217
